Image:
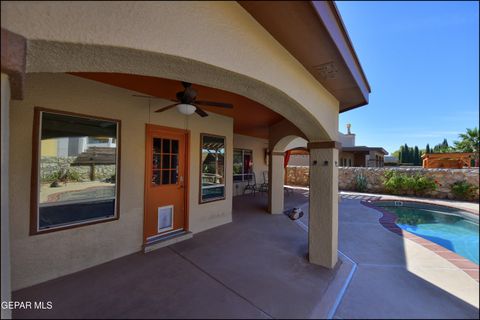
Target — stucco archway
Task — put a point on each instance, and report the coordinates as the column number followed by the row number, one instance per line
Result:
column 59, row 57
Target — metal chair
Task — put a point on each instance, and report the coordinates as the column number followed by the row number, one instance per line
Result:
column 251, row 183
column 264, row 185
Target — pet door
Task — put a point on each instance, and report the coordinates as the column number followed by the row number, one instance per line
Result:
column 165, row 218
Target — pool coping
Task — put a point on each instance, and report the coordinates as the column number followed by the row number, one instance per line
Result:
column 388, row 221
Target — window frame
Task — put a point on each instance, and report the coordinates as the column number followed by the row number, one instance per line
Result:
column 243, row 162
column 200, row 200
column 35, row 171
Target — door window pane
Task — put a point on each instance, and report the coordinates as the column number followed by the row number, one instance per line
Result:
column 157, row 145
column 174, row 162
column 165, row 177
column 156, row 177
column 165, row 158
column 174, row 146
column 166, row 161
column 173, row 176
column 166, row 146
column 156, row 161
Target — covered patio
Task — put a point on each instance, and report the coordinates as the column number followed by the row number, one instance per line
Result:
column 135, row 85
column 254, row 267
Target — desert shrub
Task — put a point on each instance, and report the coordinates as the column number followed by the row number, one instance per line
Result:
column 71, row 175
column 464, row 190
column 423, row 184
column 360, row 183
column 395, row 183
column 402, row 183
column 54, row 176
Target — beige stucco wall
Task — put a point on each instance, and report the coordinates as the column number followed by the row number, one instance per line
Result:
column 216, row 44
column 42, row 257
column 373, row 156
column 5, row 217
column 258, row 147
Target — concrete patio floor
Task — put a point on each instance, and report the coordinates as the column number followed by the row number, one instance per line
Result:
column 395, row 277
column 255, row 267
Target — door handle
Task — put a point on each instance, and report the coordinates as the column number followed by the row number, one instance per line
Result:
column 181, row 181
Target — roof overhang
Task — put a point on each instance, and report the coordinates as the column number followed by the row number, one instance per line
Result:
column 313, row 32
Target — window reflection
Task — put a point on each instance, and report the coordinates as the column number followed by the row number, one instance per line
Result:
column 77, row 170
column 212, row 168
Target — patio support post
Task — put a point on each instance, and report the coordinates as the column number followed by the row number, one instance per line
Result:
column 5, row 277
column 13, row 52
column 323, row 212
column 275, row 182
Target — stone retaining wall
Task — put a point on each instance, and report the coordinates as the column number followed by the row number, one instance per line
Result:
column 49, row 166
column 298, row 175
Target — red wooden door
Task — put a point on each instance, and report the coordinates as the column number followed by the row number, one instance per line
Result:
column 165, row 182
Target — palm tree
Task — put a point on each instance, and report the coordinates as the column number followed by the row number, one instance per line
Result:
column 470, row 142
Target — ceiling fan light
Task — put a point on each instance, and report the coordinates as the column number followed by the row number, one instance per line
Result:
column 186, row 109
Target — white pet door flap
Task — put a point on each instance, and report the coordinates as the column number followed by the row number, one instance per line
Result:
column 165, row 218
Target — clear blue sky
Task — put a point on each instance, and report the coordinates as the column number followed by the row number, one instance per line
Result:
column 422, row 62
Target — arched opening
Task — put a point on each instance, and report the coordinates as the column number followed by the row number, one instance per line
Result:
column 61, row 57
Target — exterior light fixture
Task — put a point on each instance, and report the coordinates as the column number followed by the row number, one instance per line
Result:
column 186, row 109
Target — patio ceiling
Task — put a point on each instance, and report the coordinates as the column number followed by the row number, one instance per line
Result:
column 244, row 108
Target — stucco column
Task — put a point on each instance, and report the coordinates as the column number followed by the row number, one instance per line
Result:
column 275, row 182
column 6, row 286
column 323, row 213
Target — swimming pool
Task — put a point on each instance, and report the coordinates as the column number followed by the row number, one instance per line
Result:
column 450, row 228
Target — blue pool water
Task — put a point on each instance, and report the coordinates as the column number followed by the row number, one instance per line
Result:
column 446, row 227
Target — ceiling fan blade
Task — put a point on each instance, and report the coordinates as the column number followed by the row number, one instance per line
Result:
column 151, row 97
column 166, row 108
column 144, row 96
column 214, row 104
column 200, row 112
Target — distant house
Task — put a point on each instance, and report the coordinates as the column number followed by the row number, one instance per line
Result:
column 350, row 155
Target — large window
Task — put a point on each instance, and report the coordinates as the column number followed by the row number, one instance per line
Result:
column 73, row 183
column 242, row 164
column 212, row 179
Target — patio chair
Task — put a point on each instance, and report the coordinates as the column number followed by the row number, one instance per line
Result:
column 251, row 183
column 264, row 185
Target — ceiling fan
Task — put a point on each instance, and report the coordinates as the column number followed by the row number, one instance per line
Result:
column 187, row 102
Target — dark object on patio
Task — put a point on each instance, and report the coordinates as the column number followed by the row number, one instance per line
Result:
column 112, row 179
column 295, row 214
column 62, row 177
column 251, row 183
column 55, row 184
column 264, row 185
